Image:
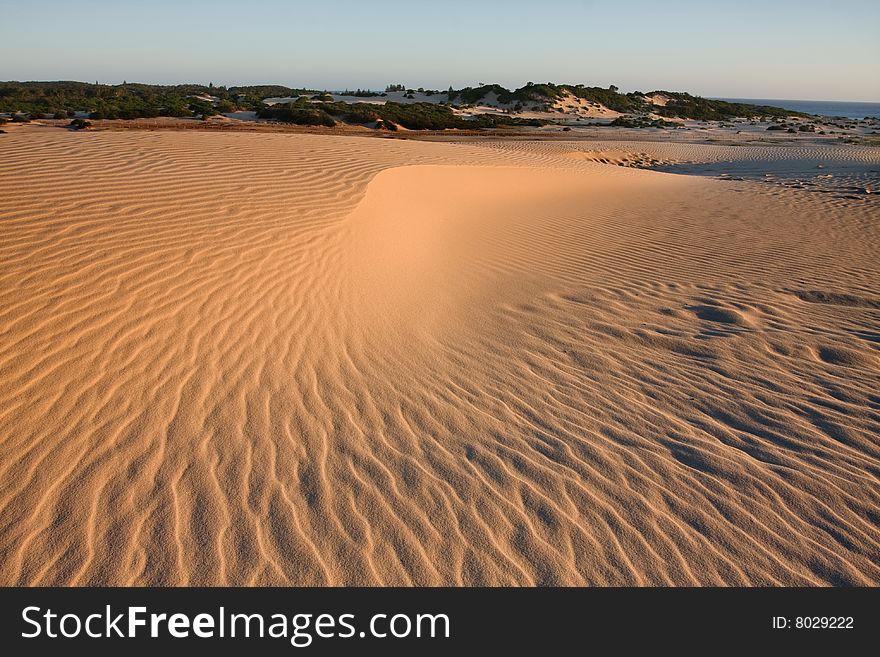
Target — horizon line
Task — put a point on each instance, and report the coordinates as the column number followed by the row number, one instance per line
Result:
column 266, row 84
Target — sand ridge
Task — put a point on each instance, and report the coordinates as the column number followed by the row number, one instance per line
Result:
column 295, row 359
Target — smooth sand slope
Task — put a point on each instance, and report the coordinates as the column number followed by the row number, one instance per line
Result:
column 295, row 359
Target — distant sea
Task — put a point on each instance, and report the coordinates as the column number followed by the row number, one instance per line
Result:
column 820, row 107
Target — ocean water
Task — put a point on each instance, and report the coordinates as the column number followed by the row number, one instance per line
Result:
column 820, row 107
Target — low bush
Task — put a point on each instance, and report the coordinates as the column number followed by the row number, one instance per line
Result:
column 685, row 106
column 293, row 113
column 627, row 122
column 421, row 116
column 198, row 107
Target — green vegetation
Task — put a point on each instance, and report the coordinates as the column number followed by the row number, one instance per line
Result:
column 299, row 112
column 361, row 93
column 80, row 124
column 203, row 108
column 681, row 105
column 537, row 93
column 413, row 116
column 265, row 91
column 130, row 101
column 470, row 95
column 624, row 122
column 420, row 116
column 610, row 98
column 543, row 94
column 702, row 109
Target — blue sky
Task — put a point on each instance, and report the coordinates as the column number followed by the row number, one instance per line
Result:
column 783, row 49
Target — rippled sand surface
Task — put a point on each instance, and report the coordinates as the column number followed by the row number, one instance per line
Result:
column 295, row 359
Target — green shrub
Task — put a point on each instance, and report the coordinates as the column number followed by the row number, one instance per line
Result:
column 685, row 106
column 129, row 100
column 420, row 116
column 610, row 97
column 292, row 113
column 80, row 124
column 202, row 108
column 626, row 122
column 545, row 94
column 359, row 113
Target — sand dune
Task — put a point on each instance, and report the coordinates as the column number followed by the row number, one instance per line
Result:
column 294, row 359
